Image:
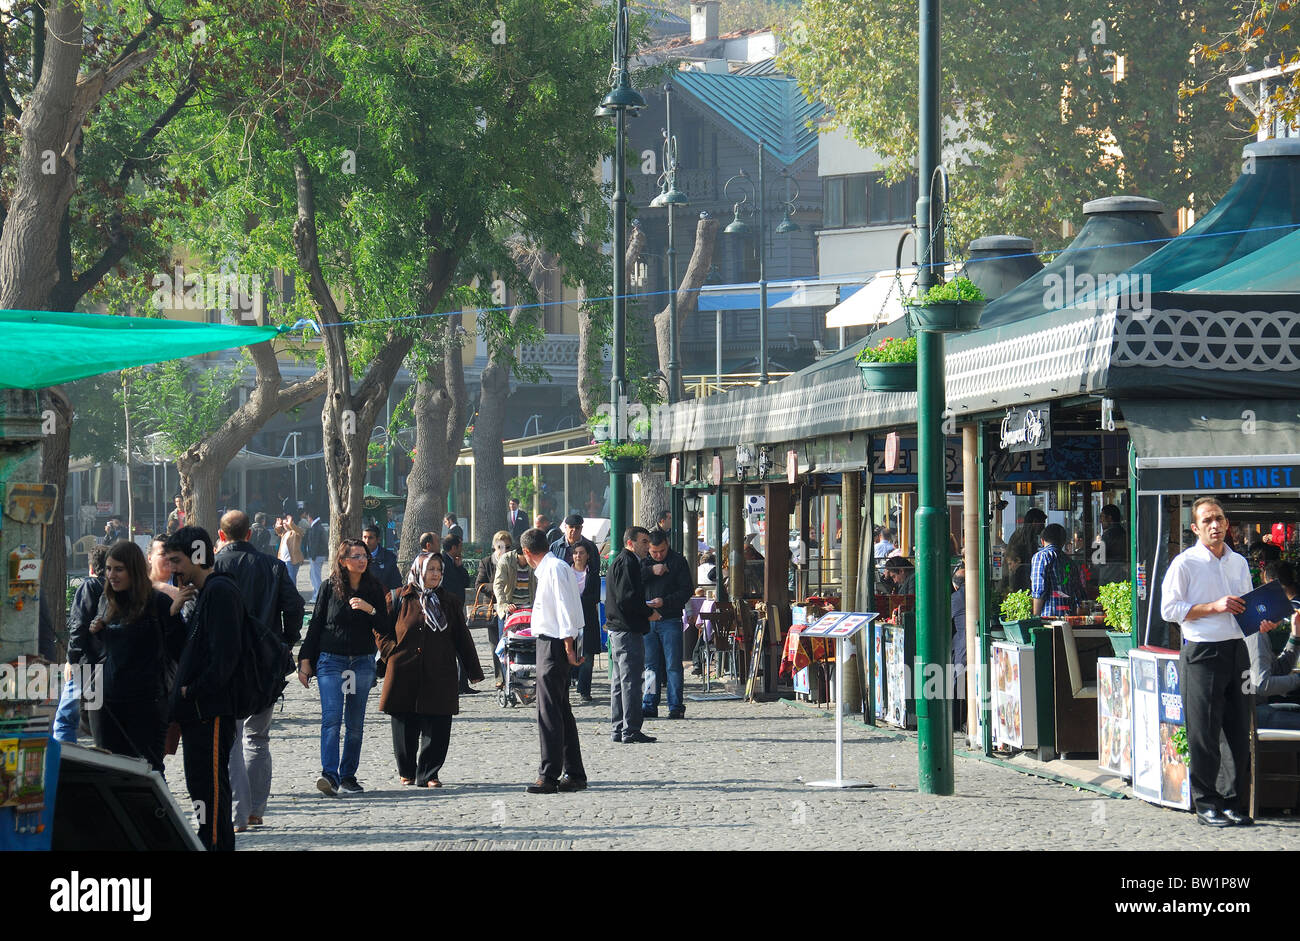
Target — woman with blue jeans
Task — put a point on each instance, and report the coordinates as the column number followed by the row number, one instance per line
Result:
column 340, row 650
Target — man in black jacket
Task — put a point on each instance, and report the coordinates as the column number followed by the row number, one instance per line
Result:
column 627, row 619
column 667, row 581
column 562, row 548
column 383, row 562
column 85, row 604
column 264, row 586
column 455, row 580
column 201, row 698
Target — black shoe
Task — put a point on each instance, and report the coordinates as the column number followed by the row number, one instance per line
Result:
column 637, row 738
column 326, row 786
column 677, row 713
column 351, row 785
column 649, row 712
column 542, row 786
column 584, row 698
column 1213, row 818
column 617, row 738
column 1237, row 818
column 468, row 691
column 567, row 784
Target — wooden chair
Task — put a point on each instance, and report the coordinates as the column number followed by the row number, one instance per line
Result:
column 1277, row 747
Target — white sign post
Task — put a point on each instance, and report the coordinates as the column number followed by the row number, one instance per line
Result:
column 841, row 626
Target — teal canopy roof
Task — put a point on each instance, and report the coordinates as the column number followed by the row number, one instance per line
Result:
column 758, row 106
column 1272, row 269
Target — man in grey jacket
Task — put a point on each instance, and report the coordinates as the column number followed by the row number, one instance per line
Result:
column 1271, row 678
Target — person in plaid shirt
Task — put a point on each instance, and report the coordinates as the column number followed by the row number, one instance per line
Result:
column 1047, row 575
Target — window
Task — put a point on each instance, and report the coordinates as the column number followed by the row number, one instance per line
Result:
column 866, row 199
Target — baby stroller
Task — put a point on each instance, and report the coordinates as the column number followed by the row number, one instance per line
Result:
column 518, row 653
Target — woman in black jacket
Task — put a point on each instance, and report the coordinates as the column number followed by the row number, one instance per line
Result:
column 129, row 636
column 340, row 650
column 588, row 572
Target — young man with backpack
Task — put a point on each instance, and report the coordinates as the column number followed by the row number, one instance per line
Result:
column 203, row 697
column 272, row 601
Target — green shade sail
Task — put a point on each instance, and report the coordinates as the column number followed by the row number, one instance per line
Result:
column 41, row 348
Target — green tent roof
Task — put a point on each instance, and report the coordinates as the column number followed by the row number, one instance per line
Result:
column 44, row 348
column 1272, row 269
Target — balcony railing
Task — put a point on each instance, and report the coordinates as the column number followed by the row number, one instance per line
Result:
column 558, row 349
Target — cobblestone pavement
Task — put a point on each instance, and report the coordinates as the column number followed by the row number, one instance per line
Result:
column 729, row 776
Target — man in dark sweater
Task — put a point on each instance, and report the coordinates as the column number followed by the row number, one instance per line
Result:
column 455, row 580
column 264, row 586
column 201, row 701
column 627, row 619
column 667, row 581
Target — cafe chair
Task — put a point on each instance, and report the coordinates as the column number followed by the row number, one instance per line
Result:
column 1274, row 760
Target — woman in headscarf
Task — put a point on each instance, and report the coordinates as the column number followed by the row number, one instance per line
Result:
column 421, row 688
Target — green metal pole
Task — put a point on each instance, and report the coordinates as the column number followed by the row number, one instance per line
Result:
column 986, row 595
column 617, row 479
column 933, row 610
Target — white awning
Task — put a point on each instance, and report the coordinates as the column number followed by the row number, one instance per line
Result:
column 879, row 301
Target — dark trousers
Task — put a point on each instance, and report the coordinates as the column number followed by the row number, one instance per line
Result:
column 555, row 724
column 207, row 777
column 494, row 638
column 133, row 729
column 1215, row 703
column 420, row 745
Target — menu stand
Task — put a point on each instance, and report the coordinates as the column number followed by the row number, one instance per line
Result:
column 841, row 626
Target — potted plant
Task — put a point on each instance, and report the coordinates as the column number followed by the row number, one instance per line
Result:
column 949, row 307
column 1117, row 601
column 1018, row 616
column 622, row 457
column 889, row 366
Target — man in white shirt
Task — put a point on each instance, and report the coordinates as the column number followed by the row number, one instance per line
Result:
column 1202, row 591
column 557, row 627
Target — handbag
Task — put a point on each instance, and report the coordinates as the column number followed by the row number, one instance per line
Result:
column 482, row 613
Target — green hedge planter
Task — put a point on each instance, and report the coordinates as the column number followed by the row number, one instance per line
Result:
column 1018, row 631
column 946, row 316
column 1121, row 642
column 888, row 377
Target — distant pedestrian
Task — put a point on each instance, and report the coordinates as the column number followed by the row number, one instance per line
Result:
column 664, row 523
column 586, row 566
column 201, row 701
column 340, row 650
column 627, row 619
column 85, row 605
column 451, row 527
column 114, row 531
column 516, row 521
column 487, row 568
column 262, row 536
column 269, row 597
column 316, row 543
column 423, row 644
column 290, row 551
column 557, row 625
column 176, row 518
column 383, row 562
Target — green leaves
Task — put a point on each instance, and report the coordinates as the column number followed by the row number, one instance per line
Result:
column 1017, row 606
column 889, row 350
column 958, row 290
column 1117, row 600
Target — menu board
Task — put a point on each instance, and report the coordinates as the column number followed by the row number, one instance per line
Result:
column 839, row 624
column 878, row 676
column 896, row 677
column 1115, row 715
column 1159, row 771
column 1015, row 718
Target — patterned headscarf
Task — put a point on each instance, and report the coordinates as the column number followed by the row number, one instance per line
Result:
column 434, row 616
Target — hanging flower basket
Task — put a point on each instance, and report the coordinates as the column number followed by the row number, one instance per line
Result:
column 888, row 377
column 946, row 316
column 948, row 308
column 622, row 465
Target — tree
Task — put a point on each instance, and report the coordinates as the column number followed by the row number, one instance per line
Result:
column 654, row 494
column 1035, row 122
column 1262, row 37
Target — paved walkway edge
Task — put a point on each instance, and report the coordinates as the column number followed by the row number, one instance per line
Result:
column 964, row 753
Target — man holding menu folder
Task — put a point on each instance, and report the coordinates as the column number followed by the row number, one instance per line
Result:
column 1203, row 591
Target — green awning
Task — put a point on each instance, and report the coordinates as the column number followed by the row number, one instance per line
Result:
column 1274, row 269
column 44, row 348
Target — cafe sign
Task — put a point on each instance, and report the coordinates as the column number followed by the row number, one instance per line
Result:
column 1027, row 429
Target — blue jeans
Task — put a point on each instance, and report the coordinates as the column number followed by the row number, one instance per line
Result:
column 663, row 658
column 344, row 688
column 68, row 718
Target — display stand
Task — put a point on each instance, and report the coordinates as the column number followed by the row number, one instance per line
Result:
column 840, row 626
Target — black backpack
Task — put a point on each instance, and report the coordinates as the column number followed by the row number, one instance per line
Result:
column 265, row 663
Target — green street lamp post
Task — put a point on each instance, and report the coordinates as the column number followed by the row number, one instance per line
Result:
column 738, row 226
column 621, row 100
column 934, row 715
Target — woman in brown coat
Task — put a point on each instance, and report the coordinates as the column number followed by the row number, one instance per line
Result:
column 421, row 689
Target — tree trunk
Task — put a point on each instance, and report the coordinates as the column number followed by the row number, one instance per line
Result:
column 54, row 470
column 439, row 432
column 490, row 470
column 46, row 170
column 201, row 466
column 591, row 388
column 654, row 492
